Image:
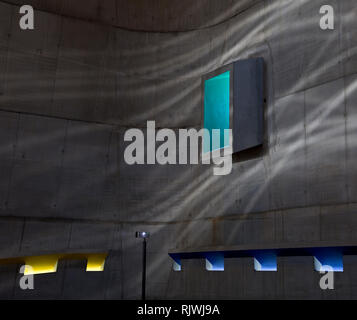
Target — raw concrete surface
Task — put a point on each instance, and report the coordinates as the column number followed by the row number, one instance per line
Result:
column 71, row 88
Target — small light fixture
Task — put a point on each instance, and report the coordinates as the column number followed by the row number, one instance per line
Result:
column 142, row 235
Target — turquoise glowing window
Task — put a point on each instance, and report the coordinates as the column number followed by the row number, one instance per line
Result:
column 216, row 110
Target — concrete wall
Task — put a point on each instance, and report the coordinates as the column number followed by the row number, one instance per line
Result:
column 146, row 15
column 69, row 90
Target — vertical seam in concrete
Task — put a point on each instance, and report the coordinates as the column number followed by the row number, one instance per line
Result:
column 305, row 150
column 61, row 167
column 64, row 265
column 243, row 275
column 122, row 272
column 340, row 42
column 22, row 234
column 224, row 48
column 106, row 170
column 61, row 179
column 320, row 226
column 116, row 12
column 70, row 235
column 345, row 100
column 271, row 98
column 282, row 226
column 121, row 262
column 13, row 161
column 8, row 52
column 346, row 141
column 56, row 72
column 15, row 281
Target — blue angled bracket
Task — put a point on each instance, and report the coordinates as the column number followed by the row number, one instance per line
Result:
column 177, row 262
column 328, row 260
column 265, row 261
column 215, row 261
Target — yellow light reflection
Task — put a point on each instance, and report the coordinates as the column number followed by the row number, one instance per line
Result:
column 41, row 265
column 95, row 263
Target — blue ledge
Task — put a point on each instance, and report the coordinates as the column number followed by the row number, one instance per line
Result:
column 326, row 258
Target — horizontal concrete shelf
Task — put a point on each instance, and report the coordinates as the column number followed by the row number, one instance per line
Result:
column 328, row 256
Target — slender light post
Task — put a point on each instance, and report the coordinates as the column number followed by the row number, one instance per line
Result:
column 144, row 236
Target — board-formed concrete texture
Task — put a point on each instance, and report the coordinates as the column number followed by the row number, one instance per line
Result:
column 92, row 69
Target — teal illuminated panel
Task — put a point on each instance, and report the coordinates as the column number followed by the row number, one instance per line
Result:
column 216, row 110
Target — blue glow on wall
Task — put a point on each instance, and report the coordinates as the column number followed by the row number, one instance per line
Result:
column 215, row 262
column 216, row 110
column 176, row 262
column 326, row 259
column 177, row 265
column 265, row 261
